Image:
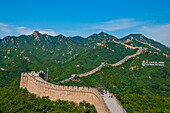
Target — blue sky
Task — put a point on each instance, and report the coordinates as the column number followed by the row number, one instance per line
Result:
column 85, row 17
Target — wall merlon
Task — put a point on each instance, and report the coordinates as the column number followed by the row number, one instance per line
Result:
column 60, row 87
column 65, row 87
column 46, row 84
column 42, row 83
column 75, row 88
column 22, row 74
column 70, row 87
column 81, row 88
column 53, row 86
column 50, row 85
column 86, row 89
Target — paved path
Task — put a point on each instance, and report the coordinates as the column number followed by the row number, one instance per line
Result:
column 113, row 105
column 67, row 79
column 39, row 79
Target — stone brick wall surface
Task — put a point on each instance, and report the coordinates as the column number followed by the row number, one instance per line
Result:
column 76, row 94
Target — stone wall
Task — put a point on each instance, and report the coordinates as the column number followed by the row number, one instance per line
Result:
column 92, row 71
column 85, row 74
column 104, row 64
column 38, row 86
column 127, row 57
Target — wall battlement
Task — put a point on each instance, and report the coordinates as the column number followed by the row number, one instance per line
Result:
column 41, row 88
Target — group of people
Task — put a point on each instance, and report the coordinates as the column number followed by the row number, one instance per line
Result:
column 106, row 92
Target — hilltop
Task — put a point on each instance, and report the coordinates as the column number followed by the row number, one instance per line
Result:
column 142, row 41
column 62, row 54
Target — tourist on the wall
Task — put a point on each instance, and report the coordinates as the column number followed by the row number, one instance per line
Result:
column 107, row 92
column 104, row 91
column 111, row 95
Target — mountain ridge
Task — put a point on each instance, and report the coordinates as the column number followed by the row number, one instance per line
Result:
column 99, row 35
column 143, row 39
column 61, row 48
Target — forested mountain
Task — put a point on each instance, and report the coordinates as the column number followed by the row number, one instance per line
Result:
column 62, row 54
column 141, row 40
column 108, row 53
column 74, row 55
column 38, row 48
column 134, row 84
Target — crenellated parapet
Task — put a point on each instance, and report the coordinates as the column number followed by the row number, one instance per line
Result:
column 35, row 84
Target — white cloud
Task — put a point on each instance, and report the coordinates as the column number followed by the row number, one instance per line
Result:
column 10, row 29
column 160, row 33
column 119, row 24
column 4, row 28
column 48, row 31
column 21, row 28
column 27, row 31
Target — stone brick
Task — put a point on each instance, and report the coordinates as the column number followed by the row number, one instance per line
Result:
column 75, row 94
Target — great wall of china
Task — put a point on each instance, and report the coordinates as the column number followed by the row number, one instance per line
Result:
column 35, row 84
column 104, row 64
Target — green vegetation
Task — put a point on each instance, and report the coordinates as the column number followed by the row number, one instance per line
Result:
column 135, row 103
column 138, row 88
column 132, row 78
column 13, row 99
column 108, row 53
column 10, row 74
column 144, row 39
column 39, row 48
